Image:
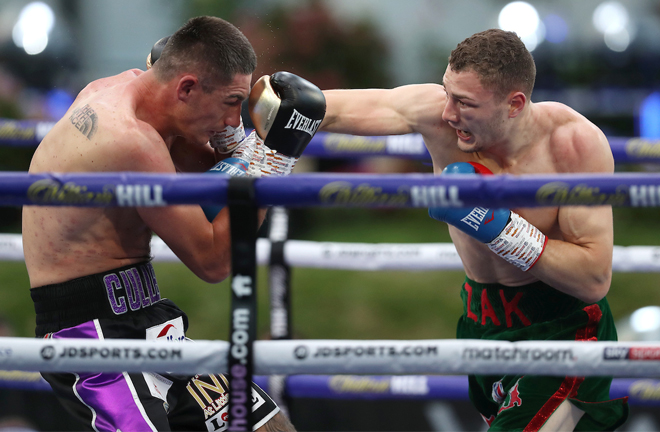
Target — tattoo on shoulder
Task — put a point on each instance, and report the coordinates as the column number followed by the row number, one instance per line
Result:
column 85, row 120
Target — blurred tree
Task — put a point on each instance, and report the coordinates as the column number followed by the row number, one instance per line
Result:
column 311, row 42
column 224, row 9
column 306, row 39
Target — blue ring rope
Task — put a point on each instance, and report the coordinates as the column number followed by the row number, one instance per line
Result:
column 641, row 391
column 130, row 189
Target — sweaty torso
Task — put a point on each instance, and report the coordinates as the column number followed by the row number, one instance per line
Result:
column 63, row 243
column 549, row 152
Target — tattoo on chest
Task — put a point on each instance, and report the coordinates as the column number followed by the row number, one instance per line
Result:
column 85, row 120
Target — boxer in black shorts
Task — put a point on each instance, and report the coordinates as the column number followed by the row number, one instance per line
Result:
column 88, row 267
column 125, row 303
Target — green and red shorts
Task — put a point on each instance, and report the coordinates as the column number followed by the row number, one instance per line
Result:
column 537, row 312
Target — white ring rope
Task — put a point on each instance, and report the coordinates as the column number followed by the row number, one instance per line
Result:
column 368, row 256
column 557, row 358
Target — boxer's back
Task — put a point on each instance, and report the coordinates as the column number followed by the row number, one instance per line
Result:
column 62, row 243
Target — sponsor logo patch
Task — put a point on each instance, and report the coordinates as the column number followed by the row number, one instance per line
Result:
column 632, row 353
column 171, row 330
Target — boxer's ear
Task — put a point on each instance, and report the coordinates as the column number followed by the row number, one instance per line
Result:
column 516, row 102
column 186, row 86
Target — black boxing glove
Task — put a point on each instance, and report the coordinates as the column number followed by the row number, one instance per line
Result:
column 286, row 110
column 156, row 51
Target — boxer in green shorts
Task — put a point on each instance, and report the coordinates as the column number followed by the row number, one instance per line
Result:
column 538, row 312
column 481, row 120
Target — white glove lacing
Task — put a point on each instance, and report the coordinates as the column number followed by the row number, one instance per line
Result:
column 263, row 161
column 520, row 243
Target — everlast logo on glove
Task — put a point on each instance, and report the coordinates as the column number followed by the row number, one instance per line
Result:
column 298, row 107
column 302, row 123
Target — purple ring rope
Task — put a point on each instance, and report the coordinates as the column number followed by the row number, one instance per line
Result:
column 378, row 387
column 338, row 190
column 375, row 387
column 411, row 146
column 23, row 133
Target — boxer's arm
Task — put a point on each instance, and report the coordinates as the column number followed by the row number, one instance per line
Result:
column 406, row 109
column 581, row 263
column 203, row 246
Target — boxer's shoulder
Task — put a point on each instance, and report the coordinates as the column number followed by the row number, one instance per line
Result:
column 108, row 83
column 577, row 144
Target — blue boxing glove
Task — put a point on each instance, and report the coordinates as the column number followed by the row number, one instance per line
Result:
column 479, row 222
column 233, row 166
column 505, row 232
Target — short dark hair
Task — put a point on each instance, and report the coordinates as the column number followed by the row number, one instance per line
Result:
column 499, row 58
column 210, row 46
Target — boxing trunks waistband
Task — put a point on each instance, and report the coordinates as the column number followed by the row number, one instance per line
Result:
column 109, row 294
column 516, row 306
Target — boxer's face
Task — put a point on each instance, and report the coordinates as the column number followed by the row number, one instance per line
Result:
column 210, row 113
column 475, row 112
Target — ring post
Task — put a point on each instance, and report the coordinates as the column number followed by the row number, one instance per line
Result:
column 242, row 333
column 279, row 280
column 279, row 276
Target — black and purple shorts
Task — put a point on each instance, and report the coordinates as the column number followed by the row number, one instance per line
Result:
column 125, row 303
